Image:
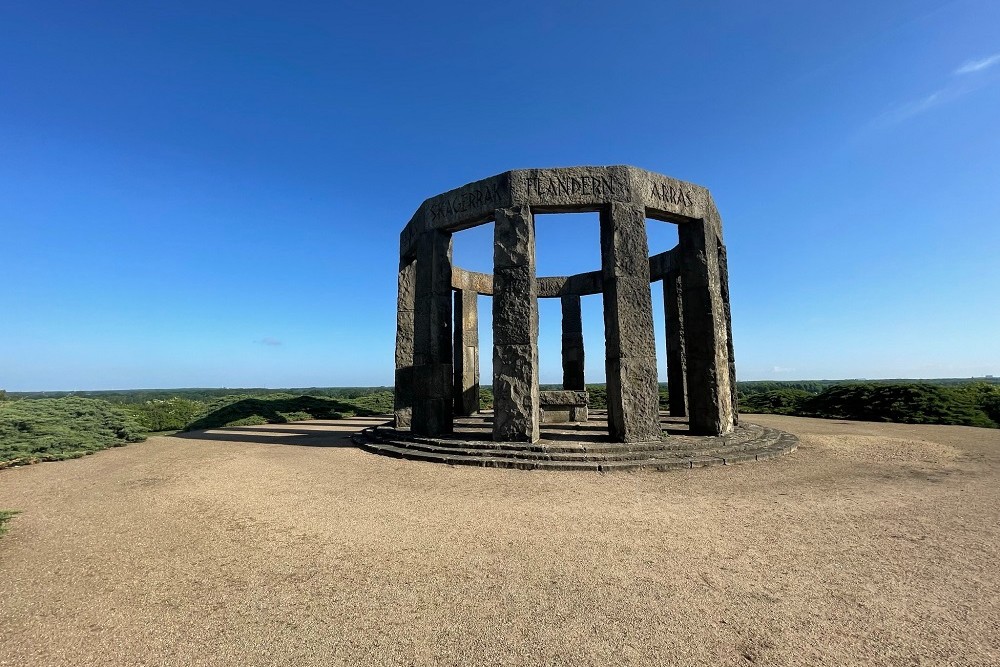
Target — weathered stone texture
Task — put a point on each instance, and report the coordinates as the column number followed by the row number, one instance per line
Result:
column 515, row 327
column 466, row 352
column 633, row 388
column 562, row 397
column 515, row 393
column 432, row 356
column 468, row 205
column 570, row 188
column 405, row 334
column 663, row 263
column 724, row 287
column 573, row 355
column 710, row 407
column 673, row 310
column 437, row 367
column 633, row 396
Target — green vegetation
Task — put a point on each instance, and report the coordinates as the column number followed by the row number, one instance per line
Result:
column 65, row 428
column 46, row 426
column 969, row 404
column 274, row 409
column 775, row 401
column 5, row 516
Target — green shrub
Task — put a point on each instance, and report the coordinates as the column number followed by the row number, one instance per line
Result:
column 53, row 429
column 776, row 401
column 171, row 414
column 912, row 403
column 5, row 516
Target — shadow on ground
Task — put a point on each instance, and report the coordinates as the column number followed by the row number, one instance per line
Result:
column 313, row 433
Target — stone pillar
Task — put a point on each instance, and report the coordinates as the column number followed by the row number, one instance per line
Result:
column 403, row 397
column 724, row 286
column 633, row 391
column 515, row 327
column 673, row 310
column 572, row 344
column 432, row 356
column 706, row 336
column 466, row 352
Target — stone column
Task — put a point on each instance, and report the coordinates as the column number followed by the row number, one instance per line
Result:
column 432, row 357
column 403, row 397
column 572, row 344
column 633, row 391
column 673, row 309
column 515, row 327
column 706, row 336
column 724, row 286
column 466, row 352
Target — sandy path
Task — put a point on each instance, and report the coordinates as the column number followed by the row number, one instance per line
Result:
column 873, row 544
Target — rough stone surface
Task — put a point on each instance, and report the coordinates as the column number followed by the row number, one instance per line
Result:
column 466, row 352
column 432, row 409
column 630, row 361
column 562, row 397
column 481, row 283
column 710, row 407
column 724, row 288
column 700, row 345
column 515, row 393
column 663, row 263
column 630, row 332
column 572, row 344
column 405, row 333
column 673, row 310
column 515, row 327
column 636, row 390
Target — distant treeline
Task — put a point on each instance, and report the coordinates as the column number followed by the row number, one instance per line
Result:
column 41, row 425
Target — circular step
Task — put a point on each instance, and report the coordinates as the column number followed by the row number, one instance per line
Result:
column 579, row 446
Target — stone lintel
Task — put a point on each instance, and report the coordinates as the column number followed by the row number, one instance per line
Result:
column 480, row 283
column 470, row 205
column 571, row 189
column 663, row 263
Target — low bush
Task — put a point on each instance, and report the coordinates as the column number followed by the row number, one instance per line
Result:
column 777, row 401
column 910, row 403
column 53, row 429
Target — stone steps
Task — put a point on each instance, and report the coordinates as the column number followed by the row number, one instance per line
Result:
column 758, row 444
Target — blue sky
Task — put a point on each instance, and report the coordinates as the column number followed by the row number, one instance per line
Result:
column 211, row 193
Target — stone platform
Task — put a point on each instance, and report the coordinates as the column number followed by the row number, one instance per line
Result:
column 579, row 446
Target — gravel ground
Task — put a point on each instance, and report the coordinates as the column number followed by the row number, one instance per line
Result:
column 873, row 544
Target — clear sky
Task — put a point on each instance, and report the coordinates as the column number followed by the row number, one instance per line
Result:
column 211, row 193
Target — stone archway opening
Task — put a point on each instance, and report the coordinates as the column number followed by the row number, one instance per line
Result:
column 434, row 350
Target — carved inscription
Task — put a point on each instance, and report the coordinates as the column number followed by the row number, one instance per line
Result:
column 465, row 201
column 576, row 186
column 672, row 194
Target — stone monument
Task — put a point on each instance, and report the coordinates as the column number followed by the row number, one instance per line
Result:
column 437, row 346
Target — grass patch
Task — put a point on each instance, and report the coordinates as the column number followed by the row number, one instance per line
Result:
column 5, row 516
column 64, row 428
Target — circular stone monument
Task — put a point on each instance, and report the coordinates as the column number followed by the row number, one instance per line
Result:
column 436, row 412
